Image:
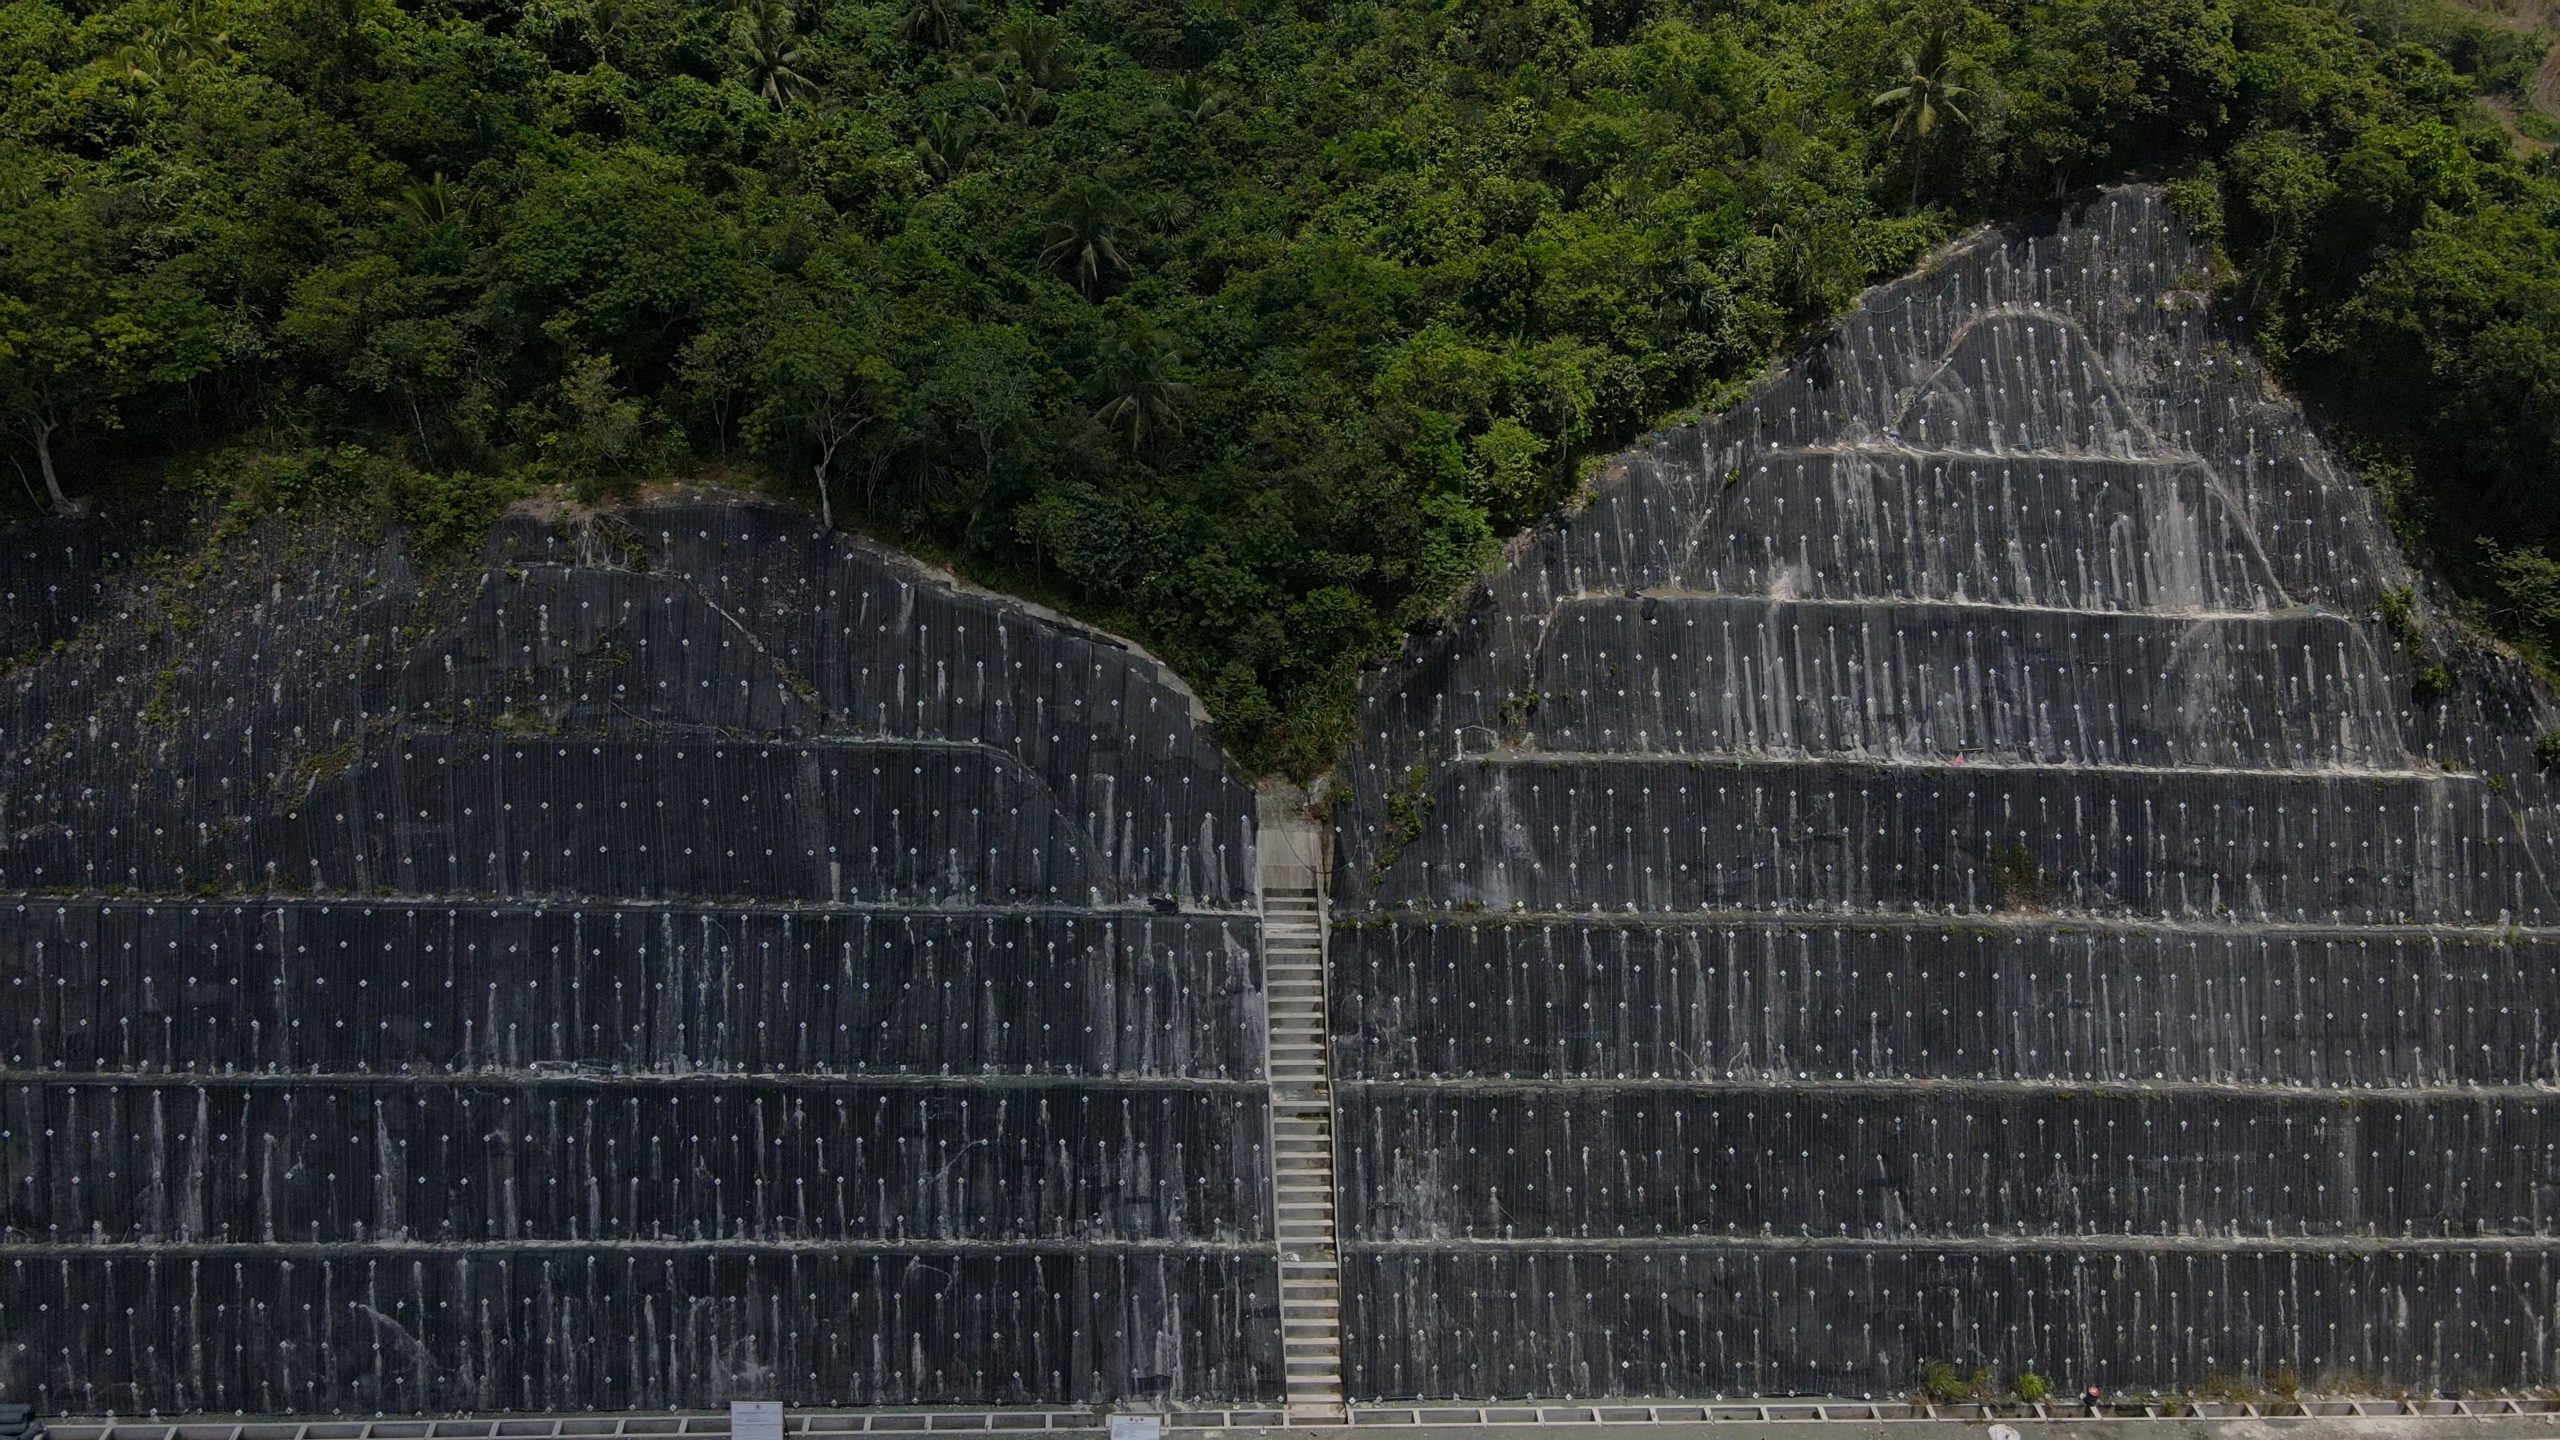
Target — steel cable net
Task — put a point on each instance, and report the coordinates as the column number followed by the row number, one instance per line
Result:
column 1959, row 859
column 686, row 956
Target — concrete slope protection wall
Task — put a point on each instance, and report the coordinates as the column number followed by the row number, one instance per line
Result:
column 1955, row 860
column 687, row 956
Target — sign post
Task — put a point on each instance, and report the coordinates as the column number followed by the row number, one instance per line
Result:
column 755, row 1420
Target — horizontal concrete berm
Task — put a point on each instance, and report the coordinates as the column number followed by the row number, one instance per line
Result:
column 1955, row 860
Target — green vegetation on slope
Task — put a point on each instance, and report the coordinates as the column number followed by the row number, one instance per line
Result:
column 1245, row 326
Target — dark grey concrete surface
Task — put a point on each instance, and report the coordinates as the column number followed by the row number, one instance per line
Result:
column 1957, row 859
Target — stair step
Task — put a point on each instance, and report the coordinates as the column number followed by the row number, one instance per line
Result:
column 1305, row 1214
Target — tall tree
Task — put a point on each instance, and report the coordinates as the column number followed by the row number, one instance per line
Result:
column 932, row 23
column 1084, row 235
column 86, row 323
column 945, row 145
column 764, row 43
column 1930, row 95
column 1142, row 400
column 821, row 381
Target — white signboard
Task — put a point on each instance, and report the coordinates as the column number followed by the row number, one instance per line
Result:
column 755, row 1420
column 1137, row 1427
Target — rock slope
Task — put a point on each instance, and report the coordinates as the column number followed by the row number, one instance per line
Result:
column 687, row 955
column 1957, row 859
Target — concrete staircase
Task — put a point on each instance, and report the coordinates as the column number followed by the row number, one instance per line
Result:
column 1301, row 1122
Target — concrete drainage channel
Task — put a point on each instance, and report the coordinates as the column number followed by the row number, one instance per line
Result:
column 2415, row 1419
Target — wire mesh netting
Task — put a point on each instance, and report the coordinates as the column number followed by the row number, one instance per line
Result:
column 1964, row 858
column 678, row 958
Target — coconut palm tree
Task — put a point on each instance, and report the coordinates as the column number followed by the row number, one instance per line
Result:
column 1144, row 403
column 1037, row 45
column 189, row 39
column 932, row 23
column 435, row 202
column 1195, row 100
column 763, row 41
column 1931, row 94
column 1084, row 235
column 945, row 145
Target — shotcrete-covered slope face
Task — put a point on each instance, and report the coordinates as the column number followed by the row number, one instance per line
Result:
column 1952, row 861
column 692, row 956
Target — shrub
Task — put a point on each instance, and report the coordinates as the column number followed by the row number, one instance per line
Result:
column 1942, row 1383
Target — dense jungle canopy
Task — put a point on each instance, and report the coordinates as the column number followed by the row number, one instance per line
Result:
column 1248, row 327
